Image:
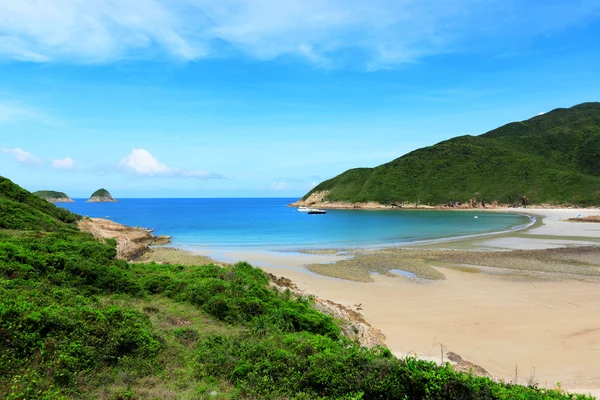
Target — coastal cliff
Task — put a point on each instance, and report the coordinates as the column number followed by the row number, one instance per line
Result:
column 53, row 196
column 551, row 160
column 101, row 196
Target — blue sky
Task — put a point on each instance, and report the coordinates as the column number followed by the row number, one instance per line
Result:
column 233, row 98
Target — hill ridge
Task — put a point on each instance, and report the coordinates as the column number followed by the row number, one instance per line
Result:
column 550, row 159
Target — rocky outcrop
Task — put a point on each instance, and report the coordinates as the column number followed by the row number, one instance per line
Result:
column 132, row 242
column 59, row 200
column 319, row 200
column 467, row 367
column 353, row 325
column 101, row 196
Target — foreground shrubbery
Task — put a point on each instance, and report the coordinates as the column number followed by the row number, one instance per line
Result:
column 307, row 366
column 71, row 326
column 57, row 332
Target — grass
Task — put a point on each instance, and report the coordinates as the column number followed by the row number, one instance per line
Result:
column 182, row 327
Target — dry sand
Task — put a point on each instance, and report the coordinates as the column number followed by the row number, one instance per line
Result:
column 546, row 324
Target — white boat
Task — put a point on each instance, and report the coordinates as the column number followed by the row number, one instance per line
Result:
column 311, row 210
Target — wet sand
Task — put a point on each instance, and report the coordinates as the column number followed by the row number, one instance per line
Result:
column 540, row 317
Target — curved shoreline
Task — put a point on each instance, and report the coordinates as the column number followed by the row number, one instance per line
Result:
column 492, row 316
column 357, row 246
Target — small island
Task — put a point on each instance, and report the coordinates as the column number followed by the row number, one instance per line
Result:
column 53, row 196
column 101, row 196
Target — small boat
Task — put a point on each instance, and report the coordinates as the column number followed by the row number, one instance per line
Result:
column 315, row 211
column 311, row 210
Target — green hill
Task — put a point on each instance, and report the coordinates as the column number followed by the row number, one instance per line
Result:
column 552, row 158
column 21, row 210
column 75, row 323
column 100, row 193
column 52, row 195
column 101, row 196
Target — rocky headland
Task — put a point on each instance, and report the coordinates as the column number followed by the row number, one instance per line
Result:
column 132, row 242
column 319, row 200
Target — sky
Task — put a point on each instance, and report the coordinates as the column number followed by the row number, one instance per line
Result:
column 267, row 98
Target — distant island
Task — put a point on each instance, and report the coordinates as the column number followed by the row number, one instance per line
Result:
column 53, row 196
column 101, row 196
column 551, row 160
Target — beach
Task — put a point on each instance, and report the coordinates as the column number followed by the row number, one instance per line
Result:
column 527, row 323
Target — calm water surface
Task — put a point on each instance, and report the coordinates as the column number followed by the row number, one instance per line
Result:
column 269, row 224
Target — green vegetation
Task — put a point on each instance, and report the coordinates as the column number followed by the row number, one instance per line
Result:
column 20, row 210
column 76, row 323
column 101, row 193
column 552, row 158
column 51, row 194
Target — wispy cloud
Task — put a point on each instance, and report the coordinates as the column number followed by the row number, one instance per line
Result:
column 22, row 156
column 10, row 112
column 279, row 186
column 324, row 33
column 64, row 163
column 142, row 162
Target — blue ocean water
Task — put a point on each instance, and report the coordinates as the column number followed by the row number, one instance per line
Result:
column 268, row 224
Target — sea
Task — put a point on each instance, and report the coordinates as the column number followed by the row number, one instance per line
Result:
column 269, row 224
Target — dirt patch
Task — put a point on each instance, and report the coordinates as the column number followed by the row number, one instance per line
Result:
column 169, row 255
column 178, row 321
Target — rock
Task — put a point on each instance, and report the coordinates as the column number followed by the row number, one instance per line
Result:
column 101, row 196
column 131, row 242
column 521, row 201
column 213, row 393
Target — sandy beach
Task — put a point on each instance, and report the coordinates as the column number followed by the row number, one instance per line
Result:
column 525, row 323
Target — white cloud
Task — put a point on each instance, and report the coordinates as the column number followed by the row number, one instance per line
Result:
column 279, row 186
column 142, row 162
column 65, row 163
column 22, row 156
column 325, row 33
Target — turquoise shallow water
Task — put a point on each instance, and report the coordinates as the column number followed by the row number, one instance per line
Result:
column 268, row 224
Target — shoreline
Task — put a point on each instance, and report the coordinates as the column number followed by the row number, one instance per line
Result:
column 494, row 317
column 318, row 200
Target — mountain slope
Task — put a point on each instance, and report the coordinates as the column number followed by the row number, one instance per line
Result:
column 22, row 210
column 552, row 158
